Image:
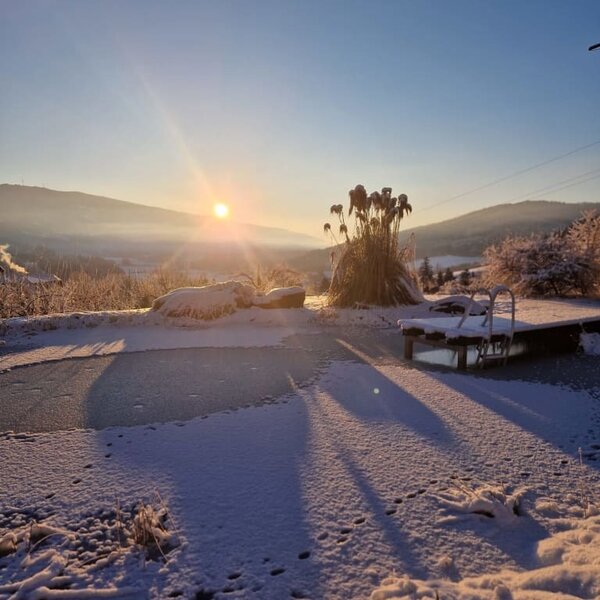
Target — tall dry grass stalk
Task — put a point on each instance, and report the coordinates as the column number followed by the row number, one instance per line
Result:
column 265, row 279
column 81, row 292
column 372, row 267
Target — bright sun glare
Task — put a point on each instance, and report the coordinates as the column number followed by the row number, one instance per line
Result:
column 221, row 210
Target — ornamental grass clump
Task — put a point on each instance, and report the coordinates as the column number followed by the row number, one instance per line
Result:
column 370, row 266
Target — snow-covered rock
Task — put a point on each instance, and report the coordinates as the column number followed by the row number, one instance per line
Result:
column 220, row 299
column 290, row 297
column 207, row 302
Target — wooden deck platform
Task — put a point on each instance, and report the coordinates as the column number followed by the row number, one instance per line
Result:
column 542, row 331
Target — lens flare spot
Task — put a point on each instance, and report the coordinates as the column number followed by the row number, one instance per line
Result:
column 221, row 211
column 376, row 390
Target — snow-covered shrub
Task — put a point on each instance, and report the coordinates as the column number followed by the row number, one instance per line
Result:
column 557, row 264
column 584, row 237
column 370, row 266
column 148, row 530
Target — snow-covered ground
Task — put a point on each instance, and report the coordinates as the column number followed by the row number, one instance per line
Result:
column 77, row 335
column 377, row 480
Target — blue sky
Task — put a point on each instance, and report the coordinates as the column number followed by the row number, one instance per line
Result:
column 278, row 108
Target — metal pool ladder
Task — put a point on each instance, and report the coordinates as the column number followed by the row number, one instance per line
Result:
column 493, row 347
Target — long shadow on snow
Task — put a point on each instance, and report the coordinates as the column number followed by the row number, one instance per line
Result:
column 232, row 481
column 564, row 418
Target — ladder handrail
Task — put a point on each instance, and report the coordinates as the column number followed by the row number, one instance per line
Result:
column 494, row 292
column 467, row 312
column 484, row 345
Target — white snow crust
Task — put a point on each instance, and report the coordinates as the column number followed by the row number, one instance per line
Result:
column 374, row 481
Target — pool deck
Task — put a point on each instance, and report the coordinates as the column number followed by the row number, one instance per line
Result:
column 561, row 320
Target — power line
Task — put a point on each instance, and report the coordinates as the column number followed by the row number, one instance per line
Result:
column 512, row 175
column 564, row 187
column 550, row 188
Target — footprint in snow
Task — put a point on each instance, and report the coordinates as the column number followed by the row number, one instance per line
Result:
column 277, row 571
column 391, row 511
column 304, row 555
column 359, row 520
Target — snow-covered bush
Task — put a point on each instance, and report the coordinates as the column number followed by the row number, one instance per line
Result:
column 370, row 266
column 557, row 264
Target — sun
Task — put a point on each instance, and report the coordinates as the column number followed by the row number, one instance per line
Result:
column 221, row 210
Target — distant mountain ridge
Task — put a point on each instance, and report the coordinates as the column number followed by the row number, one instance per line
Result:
column 34, row 215
column 470, row 234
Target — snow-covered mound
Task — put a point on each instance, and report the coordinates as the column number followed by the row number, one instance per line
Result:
column 290, row 297
column 569, row 569
column 459, row 304
column 220, row 299
column 208, row 302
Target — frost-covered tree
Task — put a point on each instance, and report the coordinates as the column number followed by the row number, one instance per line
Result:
column 561, row 263
column 426, row 274
column 439, row 278
column 448, row 275
column 465, row 278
